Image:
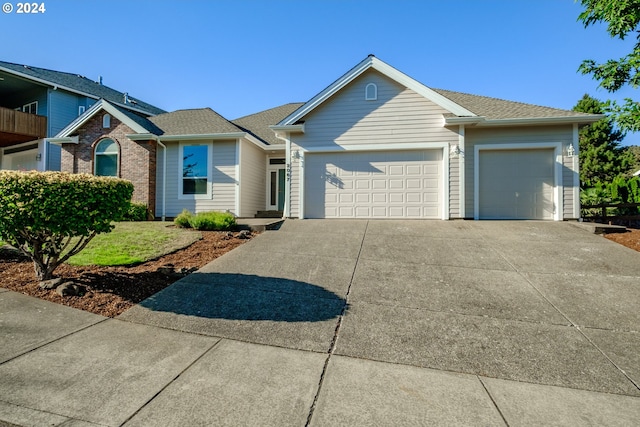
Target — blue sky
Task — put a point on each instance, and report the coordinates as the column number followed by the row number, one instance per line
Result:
column 243, row 56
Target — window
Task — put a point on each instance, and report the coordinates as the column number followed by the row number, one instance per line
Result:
column 195, row 170
column 106, row 121
column 371, row 92
column 31, row 108
column 106, row 158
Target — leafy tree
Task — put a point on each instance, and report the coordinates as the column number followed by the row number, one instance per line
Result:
column 601, row 157
column 51, row 216
column 622, row 17
column 634, row 154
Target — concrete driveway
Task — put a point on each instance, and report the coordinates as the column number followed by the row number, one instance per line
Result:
column 350, row 323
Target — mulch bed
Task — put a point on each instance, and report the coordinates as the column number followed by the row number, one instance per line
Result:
column 112, row 290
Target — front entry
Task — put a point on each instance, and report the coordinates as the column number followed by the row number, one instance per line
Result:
column 276, row 177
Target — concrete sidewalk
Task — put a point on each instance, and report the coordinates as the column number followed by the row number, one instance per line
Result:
column 349, row 323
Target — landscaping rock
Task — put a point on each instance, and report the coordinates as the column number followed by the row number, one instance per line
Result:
column 244, row 234
column 50, row 284
column 70, row 289
column 228, row 236
column 167, row 270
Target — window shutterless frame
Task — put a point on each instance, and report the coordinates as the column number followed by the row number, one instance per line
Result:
column 194, row 165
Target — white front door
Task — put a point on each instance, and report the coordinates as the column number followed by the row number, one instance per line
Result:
column 276, row 179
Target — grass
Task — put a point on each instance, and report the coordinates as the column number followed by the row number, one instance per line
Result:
column 133, row 243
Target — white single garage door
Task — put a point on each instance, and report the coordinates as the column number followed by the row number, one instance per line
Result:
column 516, row 184
column 374, row 184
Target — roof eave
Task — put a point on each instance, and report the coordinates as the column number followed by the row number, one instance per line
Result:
column 527, row 121
column 288, row 128
column 65, row 140
column 198, row 136
column 89, row 113
column 56, row 86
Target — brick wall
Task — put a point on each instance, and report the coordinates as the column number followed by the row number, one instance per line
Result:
column 137, row 159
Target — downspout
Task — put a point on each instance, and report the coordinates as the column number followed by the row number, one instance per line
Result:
column 164, row 177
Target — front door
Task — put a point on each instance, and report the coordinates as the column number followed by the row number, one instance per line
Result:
column 276, row 175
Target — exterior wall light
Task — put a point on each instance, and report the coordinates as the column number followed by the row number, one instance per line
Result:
column 570, row 150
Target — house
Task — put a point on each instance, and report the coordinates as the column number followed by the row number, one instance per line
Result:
column 36, row 103
column 374, row 144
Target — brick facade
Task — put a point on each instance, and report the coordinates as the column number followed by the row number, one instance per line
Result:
column 137, row 159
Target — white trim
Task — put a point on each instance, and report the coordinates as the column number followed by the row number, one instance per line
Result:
column 288, row 128
column 65, row 140
column 274, row 168
column 208, row 195
column 207, row 136
column 237, row 173
column 577, row 213
column 94, row 109
column 374, row 97
column 558, row 188
column 461, row 171
column 376, row 147
column 385, row 69
column 529, row 121
column 301, row 179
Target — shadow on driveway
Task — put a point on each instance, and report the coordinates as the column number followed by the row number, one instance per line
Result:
column 247, row 297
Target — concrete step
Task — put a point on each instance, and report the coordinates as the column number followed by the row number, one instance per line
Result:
column 269, row 214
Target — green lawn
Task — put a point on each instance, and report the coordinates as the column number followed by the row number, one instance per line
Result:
column 134, row 242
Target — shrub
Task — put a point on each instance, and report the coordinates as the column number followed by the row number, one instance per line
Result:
column 206, row 221
column 42, row 212
column 183, row 219
column 137, row 212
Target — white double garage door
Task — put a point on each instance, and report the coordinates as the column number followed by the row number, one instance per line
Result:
column 377, row 184
column 513, row 184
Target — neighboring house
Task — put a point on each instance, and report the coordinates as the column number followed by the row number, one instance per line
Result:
column 374, row 144
column 36, row 103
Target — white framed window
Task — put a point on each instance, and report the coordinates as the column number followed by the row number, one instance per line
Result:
column 371, row 92
column 106, row 121
column 81, row 110
column 105, row 158
column 31, row 108
column 195, row 164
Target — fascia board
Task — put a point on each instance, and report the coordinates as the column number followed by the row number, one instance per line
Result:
column 451, row 121
column 195, row 137
column 542, row 121
column 328, row 92
column 419, row 88
column 288, row 128
column 142, row 136
column 65, row 140
column 82, row 119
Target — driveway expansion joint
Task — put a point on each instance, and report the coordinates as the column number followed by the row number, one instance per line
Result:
column 334, row 340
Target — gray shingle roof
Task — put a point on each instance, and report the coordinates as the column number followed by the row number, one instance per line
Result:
column 202, row 121
column 258, row 123
column 495, row 109
column 79, row 83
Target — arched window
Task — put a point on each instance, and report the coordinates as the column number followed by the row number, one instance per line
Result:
column 371, row 92
column 106, row 158
column 106, row 121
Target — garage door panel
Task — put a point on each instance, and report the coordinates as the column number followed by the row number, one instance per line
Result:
column 516, row 184
column 398, row 184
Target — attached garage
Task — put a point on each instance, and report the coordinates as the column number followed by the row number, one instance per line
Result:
column 374, row 184
column 516, row 184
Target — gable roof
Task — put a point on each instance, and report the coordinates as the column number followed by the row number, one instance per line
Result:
column 77, row 84
column 462, row 107
column 258, row 123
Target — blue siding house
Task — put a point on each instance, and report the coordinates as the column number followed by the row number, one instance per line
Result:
column 36, row 103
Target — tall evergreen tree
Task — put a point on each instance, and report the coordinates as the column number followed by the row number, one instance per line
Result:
column 601, row 157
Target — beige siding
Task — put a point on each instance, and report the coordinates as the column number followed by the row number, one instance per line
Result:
column 223, row 181
column 294, row 195
column 252, row 179
column 398, row 116
column 569, row 172
column 454, row 187
column 537, row 134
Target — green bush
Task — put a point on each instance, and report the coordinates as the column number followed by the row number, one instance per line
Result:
column 137, row 212
column 183, row 220
column 42, row 212
column 206, row 221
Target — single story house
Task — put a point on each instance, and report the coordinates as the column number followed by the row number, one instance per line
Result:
column 374, row 144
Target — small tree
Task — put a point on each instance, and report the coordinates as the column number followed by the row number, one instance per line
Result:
column 601, row 157
column 51, row 216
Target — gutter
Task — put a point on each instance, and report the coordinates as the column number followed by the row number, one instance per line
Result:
column 530, row 121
